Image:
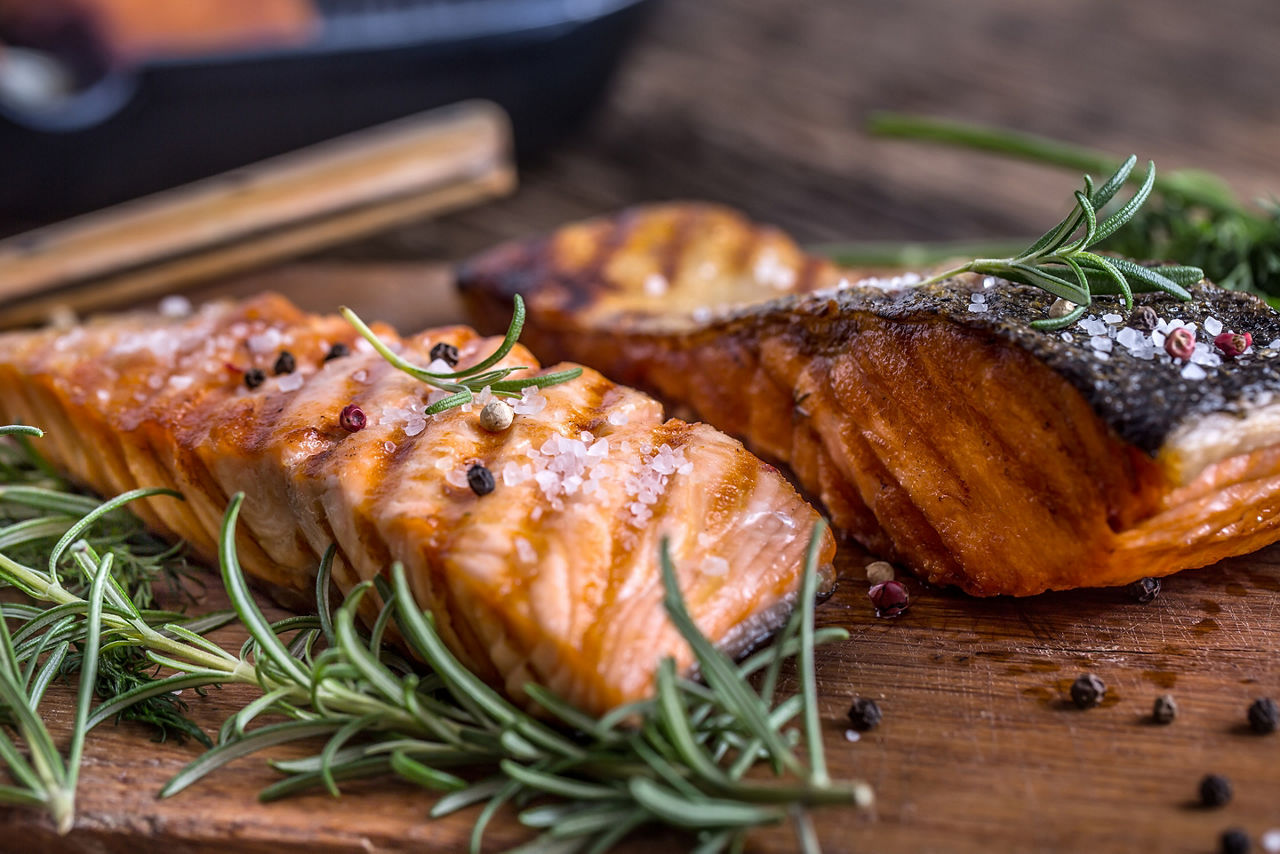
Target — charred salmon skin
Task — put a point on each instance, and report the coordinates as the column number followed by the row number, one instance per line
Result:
column 936, row 425
column 549, row 577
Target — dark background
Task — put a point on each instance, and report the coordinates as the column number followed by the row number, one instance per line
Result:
column 761, row 104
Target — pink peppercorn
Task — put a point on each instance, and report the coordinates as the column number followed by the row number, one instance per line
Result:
column 1232, row 344
column 352, row 419
column 889, row 598
column 1180, row 343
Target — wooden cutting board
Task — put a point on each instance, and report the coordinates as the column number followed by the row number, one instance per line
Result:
column 979, row 750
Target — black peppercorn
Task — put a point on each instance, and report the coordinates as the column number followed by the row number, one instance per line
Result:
column 446, row 353
column 1264, row 716
column 1164, row 710
column 285, row 363
column 337, row 351
column 1144, row 318
column 254, row 377
column 1144, row 590
column 480, row 479
column 1235, row 841
column 865, row 714
column 1215, row 790
column 1087, row 691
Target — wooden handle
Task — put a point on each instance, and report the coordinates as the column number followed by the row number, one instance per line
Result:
column 298, row 202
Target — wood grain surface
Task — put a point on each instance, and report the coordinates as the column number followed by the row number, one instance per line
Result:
column 758, row 103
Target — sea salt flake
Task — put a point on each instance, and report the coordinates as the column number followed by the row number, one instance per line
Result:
column 1212, row 325
column 290, row 382
column 978, row 298
column 525, row 550
column 264, row 342
column 175, row 306
column 455, row 477
column 1193, row 372
column 1100, row 343
column 1112, row 318
column 977, row 307
column 531, row 401
column 617, row 418
column 655, row 284
column 715, row 565
column 1129, row 338
column 389, row 447
column 415, row 425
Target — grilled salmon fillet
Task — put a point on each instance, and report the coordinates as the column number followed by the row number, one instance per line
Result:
column 550, row 578
column 936, row 425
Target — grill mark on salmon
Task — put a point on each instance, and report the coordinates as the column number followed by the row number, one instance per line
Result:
column 550, row 579
column 966, row 444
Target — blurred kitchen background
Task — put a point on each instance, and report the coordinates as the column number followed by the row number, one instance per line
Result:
column 760, row 104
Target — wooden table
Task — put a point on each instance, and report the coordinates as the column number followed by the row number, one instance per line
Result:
column 758, row 103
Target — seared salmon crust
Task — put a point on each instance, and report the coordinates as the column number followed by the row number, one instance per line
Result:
column 552, row 577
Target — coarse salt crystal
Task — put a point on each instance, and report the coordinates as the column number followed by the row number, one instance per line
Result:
column 1275, row 344
column 525, row 550
column 289, row 382
column 264, row 342
column 440, row 366
column 415, row 426
column 1271, row 841
column 1068, row 337
column 1112, row 318
column 360, row 376
column 1100, row 356
column 655, row 284
column 617, row 418
column 175, row 306
column 989, row 282
column 978, row 298
column 701, row 314
column 531, row 401
column 715, row 565
column 1129, row 337
column 1212, row 325
column 977, row 307
column 1100, row 343
column 180, row 381
column 455, row 477
column 1157, row 338
column 1193, row 372
column 852, row 735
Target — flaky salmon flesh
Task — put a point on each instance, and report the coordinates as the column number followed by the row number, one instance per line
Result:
column 936, row 425
column 551, row 578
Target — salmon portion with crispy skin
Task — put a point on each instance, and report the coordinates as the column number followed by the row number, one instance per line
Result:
column 936, row 425
column 551, row 578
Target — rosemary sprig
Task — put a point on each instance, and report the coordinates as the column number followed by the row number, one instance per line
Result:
column 464, row 384
column 1192, row 216
column 1060, row 261
column 582, row 783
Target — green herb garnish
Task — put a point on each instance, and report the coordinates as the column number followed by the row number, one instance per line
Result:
column 464, row 384
column 1060, row 261
column 1192, row 215
column 679, row 759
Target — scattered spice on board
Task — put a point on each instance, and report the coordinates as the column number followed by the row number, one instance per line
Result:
column 337, row 351
column 1264, row 716
column 865, row 714
column 880, row 571
column 1215, row 790
column 1087, row 691
column 889, row 598
column 254, row 377
column 1164, row 710
column 1145, row 590
column 285, row 363
column 1235, row 841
